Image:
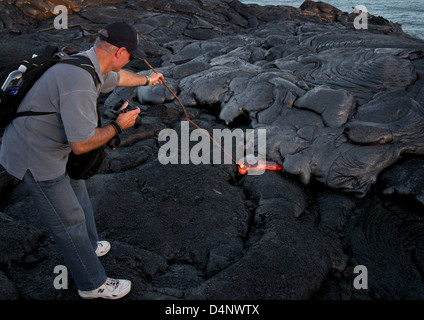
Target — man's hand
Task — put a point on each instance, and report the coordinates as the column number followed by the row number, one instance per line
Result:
column 102, row 135
column 156, row 78
column 127, row 119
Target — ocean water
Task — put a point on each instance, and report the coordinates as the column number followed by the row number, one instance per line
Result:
column 408, row 13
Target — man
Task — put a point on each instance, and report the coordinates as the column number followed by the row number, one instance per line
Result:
column 35, row 149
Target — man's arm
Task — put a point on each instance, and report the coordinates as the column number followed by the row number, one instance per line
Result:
column 101, row 136
column 104, row 134
column 131, row 79
column 125, row 120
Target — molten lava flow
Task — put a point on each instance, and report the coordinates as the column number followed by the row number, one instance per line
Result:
column 260, row 165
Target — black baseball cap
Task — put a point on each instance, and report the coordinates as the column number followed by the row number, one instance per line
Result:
column 121, row 34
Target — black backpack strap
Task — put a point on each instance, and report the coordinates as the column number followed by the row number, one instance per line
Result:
column 83, row 62
column 31, row 113
column 76, row 60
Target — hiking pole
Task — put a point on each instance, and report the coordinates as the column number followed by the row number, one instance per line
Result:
column 186, row 115
column 172, row 92
column 242, row 168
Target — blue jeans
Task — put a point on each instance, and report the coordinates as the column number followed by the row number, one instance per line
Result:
column 65, row 209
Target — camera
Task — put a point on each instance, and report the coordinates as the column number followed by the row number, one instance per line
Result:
column 117, row 112
column 115, row 141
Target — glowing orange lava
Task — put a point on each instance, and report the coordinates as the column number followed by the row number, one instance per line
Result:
column 260, row 165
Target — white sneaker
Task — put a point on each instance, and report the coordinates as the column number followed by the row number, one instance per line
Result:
column 111, row 289
column 103, row 247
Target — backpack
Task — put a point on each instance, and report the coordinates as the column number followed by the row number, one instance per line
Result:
column 35, row 68
column 82, row 166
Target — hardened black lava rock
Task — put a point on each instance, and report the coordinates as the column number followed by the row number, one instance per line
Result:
column 343, row 111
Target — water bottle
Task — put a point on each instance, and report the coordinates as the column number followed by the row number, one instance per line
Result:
column 14, row 80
